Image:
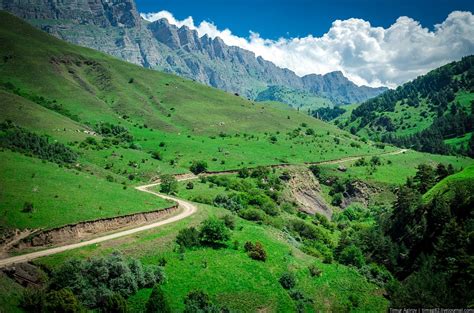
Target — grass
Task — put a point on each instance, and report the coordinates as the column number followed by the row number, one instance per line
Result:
column 459, row 142
column 10, row 294
column 395, row 169
column 62, row 196
column 465, row 178
column 230, row 277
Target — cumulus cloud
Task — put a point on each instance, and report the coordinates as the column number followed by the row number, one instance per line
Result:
column 367, row 55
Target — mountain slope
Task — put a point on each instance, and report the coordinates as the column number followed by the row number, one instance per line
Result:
column 117, row 29
column 424, row 114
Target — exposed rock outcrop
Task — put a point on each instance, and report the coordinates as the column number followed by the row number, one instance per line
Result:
column 115, row 27
column 84, row 230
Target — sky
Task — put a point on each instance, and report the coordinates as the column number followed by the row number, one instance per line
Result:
column 373, row 42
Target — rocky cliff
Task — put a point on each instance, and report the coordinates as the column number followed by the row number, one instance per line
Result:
column 115, row 27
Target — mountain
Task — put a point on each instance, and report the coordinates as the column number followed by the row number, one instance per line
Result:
column 433, row 113
column 115, row 27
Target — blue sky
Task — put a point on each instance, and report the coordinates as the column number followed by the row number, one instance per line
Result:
column 298, row 18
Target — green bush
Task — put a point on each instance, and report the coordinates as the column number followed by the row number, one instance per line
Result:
column 229, row 221
column 190, row 185
column 188, row 237
column 314, row 271
column 198, row 167
column 352, row 255
column 91, row 279
column 113, row 303
column 213, row 232
column 168, row 184
column 157, row 301
column 252, row 214
column 287, row 280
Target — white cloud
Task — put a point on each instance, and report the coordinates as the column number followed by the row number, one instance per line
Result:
column 367, row 55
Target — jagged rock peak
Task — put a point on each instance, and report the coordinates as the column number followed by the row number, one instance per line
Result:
column 119, row 13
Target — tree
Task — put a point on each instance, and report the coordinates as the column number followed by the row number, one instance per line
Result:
column 198, row 167
column 169, row 184
column 287, row 280
column 425, row 178
column 188, row 237
column 316, row 170
column 113, row 303
column 157, row 302
column 62, row 301
column 255, row 251
column 213, row 232
column 352, row 255
column 199, row 301
column 243, row 173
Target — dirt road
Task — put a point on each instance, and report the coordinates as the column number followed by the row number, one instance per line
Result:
column 187, row 207
column 187, row 210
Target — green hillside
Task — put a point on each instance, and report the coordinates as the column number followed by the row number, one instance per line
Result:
column 427, row 114
column 80, row 129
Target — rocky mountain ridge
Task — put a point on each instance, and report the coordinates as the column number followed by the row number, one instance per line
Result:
column 115, row 27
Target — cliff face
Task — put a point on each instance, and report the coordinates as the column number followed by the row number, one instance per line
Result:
column 115, row 27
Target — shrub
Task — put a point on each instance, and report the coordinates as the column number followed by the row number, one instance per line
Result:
column 229, row 221
column 199, row 301
column 198, row 167
column 255, row 251
column 190, row 185
column 314, row 271
column 243, row 173
column 252, row 214
column 28, row 207
column 91, row 279
column 157, row 301
column 287, row 280
column 213, row 232
column 188, row 237
column 113, row 303
column 316, row 170
column 352, row 255
column 375, row 161
column 61, row 301
column 169, row 184
column 337, row 199
column 156, row 155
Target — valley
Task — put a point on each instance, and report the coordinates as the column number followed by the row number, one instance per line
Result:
column 127, row 188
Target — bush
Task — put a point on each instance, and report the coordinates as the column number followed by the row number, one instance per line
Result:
column 156, row 155
column 229, row 221
column 243, row 173
column 316, row 170
column 352, row 255
column 287, row 280
column 28, row 207
column 168, row 184
column 91, row 279
column 62, row 301
column 252, row 214
column 314, row 271
column 190, row 185
column 21, row 140
column 157, row 301
column 188, row 237
column 255, row 251
column 198, row 167
column 213, row 232
column 113, row 303
column 199, row 301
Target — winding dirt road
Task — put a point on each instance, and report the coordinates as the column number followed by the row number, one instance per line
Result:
column 187, row 207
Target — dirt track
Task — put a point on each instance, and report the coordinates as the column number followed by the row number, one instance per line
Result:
column 188, row 209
